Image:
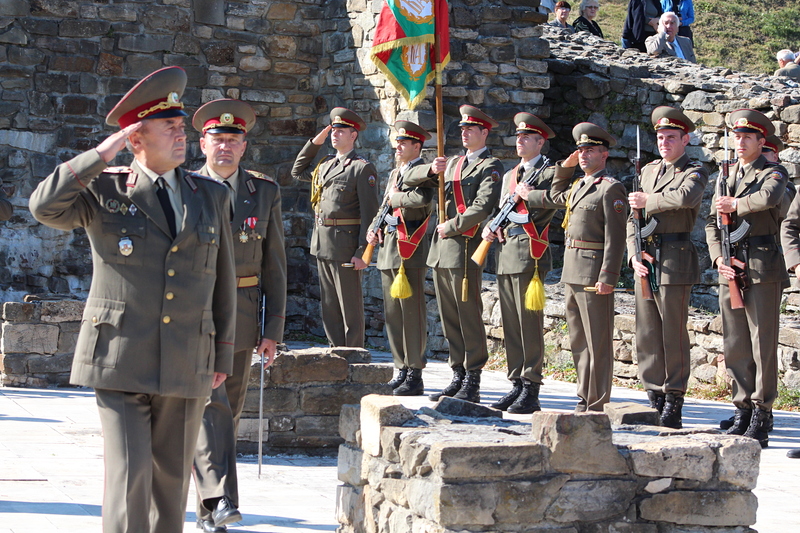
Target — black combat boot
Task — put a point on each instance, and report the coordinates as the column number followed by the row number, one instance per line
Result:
column 741, row 420
column 413, row 385
column 656, row 400
column 504, row 402
column 454, row 387
column 399, row 378
column 528, row 401
column 671, row 415
column 728, row 422
column 758, row 427
column 470, row 387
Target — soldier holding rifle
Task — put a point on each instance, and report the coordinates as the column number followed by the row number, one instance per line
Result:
column 671, row 190
column 755, row 189
column 523, row 261
column 258, row 250
column 594, row 225
column 401, row 226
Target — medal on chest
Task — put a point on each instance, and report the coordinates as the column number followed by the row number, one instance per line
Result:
column 125, row 246
column 249, row 223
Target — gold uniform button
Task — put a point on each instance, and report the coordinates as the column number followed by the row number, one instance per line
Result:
column 124, row 231
column 213, row 241
column 94, row 320
column 170, row 296
column 170, row 272
column 173, row 249
column 166, row 319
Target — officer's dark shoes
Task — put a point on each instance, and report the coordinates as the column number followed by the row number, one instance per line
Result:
column 399, row 379
column 793, row 454
column 470, row 387
column 208, row 526
column 528, row 401
column 453, row 387
column 656, row 400
column 225, row 513
column 671, row 414
column 413, row 385
column 506, row 401
column 741, row 420
column 727, row 423
column 758, row 427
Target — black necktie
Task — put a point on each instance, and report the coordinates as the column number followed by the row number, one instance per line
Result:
column 520, row 173
column 166, row 205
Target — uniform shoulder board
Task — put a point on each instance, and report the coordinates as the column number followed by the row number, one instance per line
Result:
column 653, row 162
column 260, row 176
column 609, row 179
column 362, row 159
column 195, row 175
column 694, row 163
column 118, row 170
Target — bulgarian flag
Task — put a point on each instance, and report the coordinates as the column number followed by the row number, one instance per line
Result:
column 403, row 47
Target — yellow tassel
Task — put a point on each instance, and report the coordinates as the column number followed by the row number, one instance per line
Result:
column 401, row 288
column 534, row 295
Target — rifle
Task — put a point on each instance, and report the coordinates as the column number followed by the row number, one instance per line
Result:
column 383, row 211
column 506, row 215
column 724, row 222
column 640, row 233
column 261, row 389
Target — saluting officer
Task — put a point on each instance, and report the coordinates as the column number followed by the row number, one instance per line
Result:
column 404, row 245
column 756, row 189
column 260, row 257
column 472, row 189
column 671, row 191
column 158, row 327
column 345, row 199
column 594, row 225
column 524, row 252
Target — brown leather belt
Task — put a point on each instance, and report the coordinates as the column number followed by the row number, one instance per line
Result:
column 584, row 245
column 248, row 281
column 339, row 221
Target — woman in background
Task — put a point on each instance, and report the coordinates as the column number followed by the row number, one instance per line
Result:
column 585, row 22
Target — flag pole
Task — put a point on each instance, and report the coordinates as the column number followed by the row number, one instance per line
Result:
column 439, row 112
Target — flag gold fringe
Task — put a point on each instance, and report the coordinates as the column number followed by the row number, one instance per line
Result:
column 534, row 295
column 401, row 288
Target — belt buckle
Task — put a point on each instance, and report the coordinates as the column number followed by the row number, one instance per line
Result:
column 320, row 221
column 568, row 242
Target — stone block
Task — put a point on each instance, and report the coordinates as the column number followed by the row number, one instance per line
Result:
column 621, row 527
column 47, row 364
column 62, row 311
column 738, row 460
column 29, row 338
column 525, row 502
column 352, row 465
column 328, row 399
column 322, row 426
column 629, row 413
column 467, row 505
column 592, row 86
column 700, row 101
column 255, row 63
column 451, row 406
column 350, row 422
column 21, row 312
column 145, row 43
column 276, row 400
column 248, row 430
column 481, row 460
column 349, row 505
column 592, row 500
column 372, row 373
column 351, row 355
column 681, row 458
column 414, row 456
column 701, row 508
column 579, row 443
column 376, row 412
column 394, row 490
column 390, row 442
column 309, row 366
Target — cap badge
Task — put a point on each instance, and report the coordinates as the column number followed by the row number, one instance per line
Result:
column 338, row 120
column 741, row 122
column 226, row 119
column 522, row 125
column 584, row 138
column 401, row 131
column 464, row 118
column 664, row 121
column 173, row 98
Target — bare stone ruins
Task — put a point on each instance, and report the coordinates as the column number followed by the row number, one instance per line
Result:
column 460, row 467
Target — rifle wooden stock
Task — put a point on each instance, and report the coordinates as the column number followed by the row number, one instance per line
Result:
column 737, row 300
column 479, row 257
column 647, row 291
column 367, row 255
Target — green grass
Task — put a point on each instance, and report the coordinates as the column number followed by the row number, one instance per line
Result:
column 743, row 35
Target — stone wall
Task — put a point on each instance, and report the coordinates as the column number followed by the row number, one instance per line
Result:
column 455, row 468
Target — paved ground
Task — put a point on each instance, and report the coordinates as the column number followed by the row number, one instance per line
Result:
column 51, row 470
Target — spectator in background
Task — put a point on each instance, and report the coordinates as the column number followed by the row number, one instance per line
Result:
column 585, row 22
column 685, row 11
column 668, row 42
column 787, row 66
column 641, row 22
column 563, row 10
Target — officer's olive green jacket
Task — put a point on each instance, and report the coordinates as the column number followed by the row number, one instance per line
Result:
column 259, row 251
column 350, row 191
column 161, row 319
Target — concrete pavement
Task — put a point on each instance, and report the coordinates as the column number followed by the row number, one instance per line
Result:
column 51, row 470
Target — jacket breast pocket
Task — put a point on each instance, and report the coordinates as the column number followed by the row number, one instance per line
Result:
column 206, row 353
column 205, row 254
column 99, row 338
column 679, row 258
column 123, row 239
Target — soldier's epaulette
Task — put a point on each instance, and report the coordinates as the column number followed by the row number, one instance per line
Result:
column 694, row 163
column 363, row 159
column 260, row 176
column 118, row 170
column 653, row 162
column 202, row 177
column 608, row 179
column 768, row 164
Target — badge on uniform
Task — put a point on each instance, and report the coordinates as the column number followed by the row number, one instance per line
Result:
column 112, row 205
column 249, row 222
column 371, row 181
column 619, row 205
column 132, row 209
column 125, row 246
